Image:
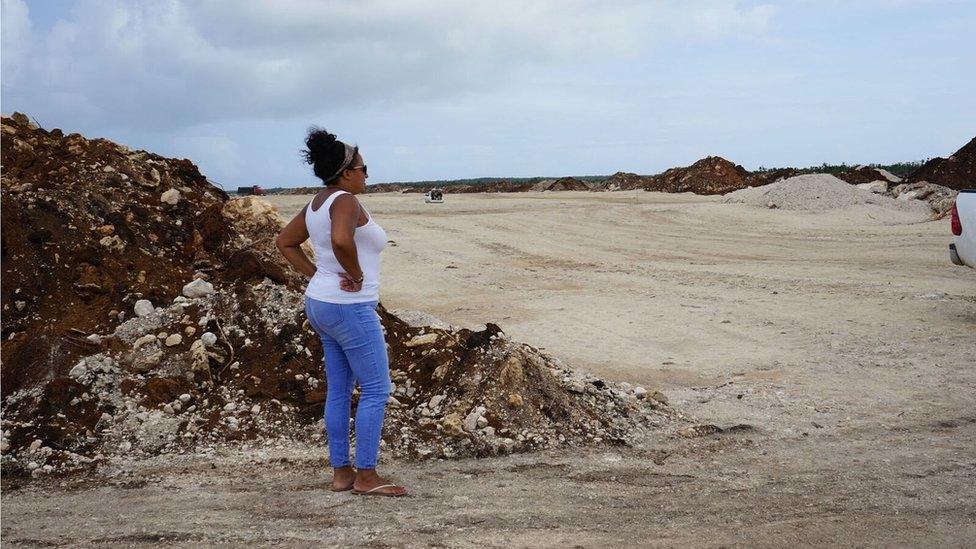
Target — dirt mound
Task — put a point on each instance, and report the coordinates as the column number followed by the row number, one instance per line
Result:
column 561, row 184
column 144, row 312
column 957, row 172
column 624, row 181
column 765, row 177
column 710, row 175
column 818, row 192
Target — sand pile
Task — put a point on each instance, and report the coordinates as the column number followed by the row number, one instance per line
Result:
column 818, row 192
column 144, row 312
column 957, row 172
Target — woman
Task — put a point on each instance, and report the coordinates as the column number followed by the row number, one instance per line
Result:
column 340, row 302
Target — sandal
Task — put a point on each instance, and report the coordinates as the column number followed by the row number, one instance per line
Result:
column 374, row 492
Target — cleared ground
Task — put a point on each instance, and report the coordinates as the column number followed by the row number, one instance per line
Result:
column 845, row 340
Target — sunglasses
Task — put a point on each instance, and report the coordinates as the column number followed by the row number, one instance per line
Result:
column 363, row 167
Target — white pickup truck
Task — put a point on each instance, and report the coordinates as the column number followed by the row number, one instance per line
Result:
column 962, row 250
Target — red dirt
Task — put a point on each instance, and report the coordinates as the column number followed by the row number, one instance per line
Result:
column 957, row 172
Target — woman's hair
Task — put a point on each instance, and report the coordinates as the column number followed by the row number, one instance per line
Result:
column 325, row 153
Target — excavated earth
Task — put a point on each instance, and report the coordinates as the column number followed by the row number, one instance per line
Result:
column 957, row 172
column 146, row 313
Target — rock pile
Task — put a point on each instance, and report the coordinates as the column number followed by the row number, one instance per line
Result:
column 135, row 325
column 939, row 198
column 818, row 192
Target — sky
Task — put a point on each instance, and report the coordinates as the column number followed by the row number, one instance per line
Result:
column 456, row 89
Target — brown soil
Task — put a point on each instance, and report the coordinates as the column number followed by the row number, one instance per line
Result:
column 957, row 172
column 861, row 174
column 710, row 175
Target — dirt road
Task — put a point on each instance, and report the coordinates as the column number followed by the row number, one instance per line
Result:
column 845, row 341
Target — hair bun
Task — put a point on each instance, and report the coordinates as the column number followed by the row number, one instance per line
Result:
column 321, row 145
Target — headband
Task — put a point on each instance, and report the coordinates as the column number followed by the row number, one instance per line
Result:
column 350, row 154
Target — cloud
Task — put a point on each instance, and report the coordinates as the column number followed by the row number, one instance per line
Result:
column 15, row 36
column 172, row 64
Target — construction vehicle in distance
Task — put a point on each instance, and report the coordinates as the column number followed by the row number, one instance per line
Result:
column 434, row 196
column 255, row 190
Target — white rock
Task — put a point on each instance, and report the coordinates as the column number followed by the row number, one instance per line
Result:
column 422, row 340
column 34, row 446
column 197, row 288
column 144, row 340
column 143, row 307
column 255, row 409
column 154, row 176
column 4, row 446
column 471, row 421
column 208, row 339
column 185, row 397
column 20, row 305
column 168, row 409
column 230, row 407
column 640, row 391
column 78, row 371
column 174, row 340
column 171, row 197
column 879, row 187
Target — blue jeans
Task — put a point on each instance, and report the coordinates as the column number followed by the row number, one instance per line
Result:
column 355, row 351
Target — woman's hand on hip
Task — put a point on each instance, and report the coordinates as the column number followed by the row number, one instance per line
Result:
column 348, row 284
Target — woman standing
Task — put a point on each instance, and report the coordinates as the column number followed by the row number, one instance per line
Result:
column 340, row 302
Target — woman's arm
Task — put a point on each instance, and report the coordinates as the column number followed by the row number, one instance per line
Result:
column 290, row 241
column 345, row 217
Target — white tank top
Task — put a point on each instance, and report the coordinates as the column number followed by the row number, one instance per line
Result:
column 370, row 240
